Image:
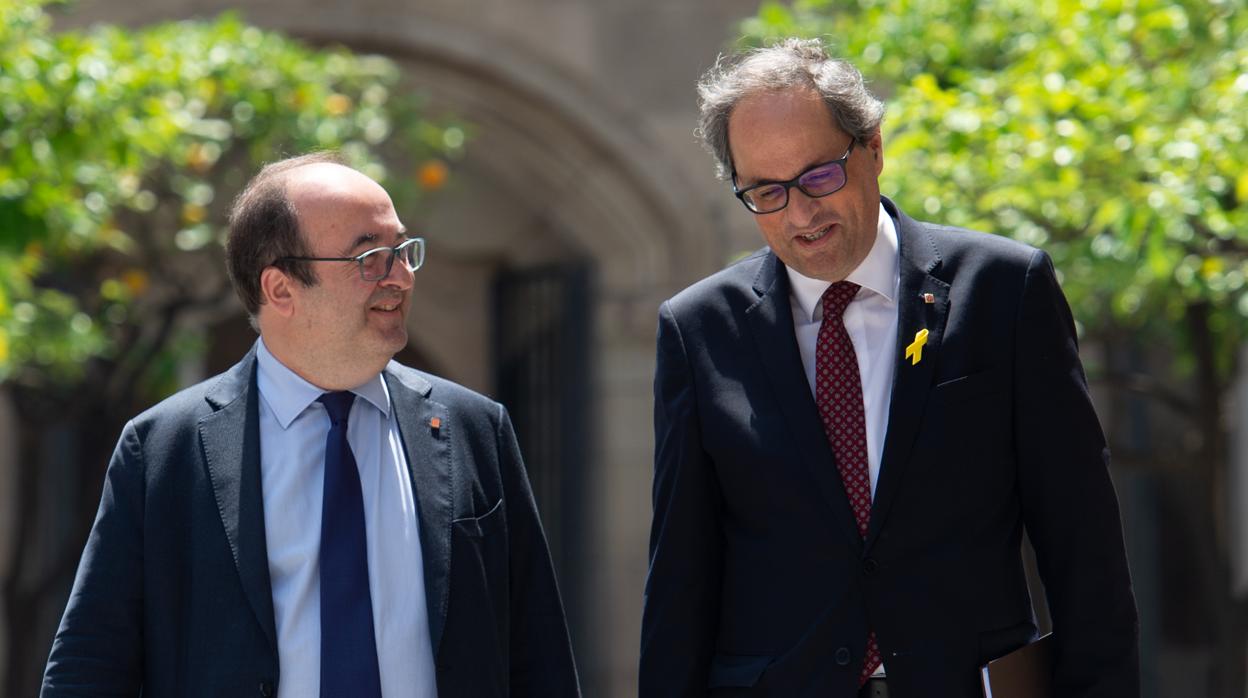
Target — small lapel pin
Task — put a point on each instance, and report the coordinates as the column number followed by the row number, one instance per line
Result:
column 435, row 423
column 914, row 352
column 929, row 298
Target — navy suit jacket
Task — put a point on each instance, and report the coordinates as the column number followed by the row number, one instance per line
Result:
column 759, row 583
column 172, row 595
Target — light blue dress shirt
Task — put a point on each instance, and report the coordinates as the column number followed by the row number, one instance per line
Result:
column 293, row 429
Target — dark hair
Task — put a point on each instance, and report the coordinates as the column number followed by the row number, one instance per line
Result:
column 264, row 228
column 791, row 63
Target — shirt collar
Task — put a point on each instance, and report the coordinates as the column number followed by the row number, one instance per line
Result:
column 877, row 273
column 288, row 394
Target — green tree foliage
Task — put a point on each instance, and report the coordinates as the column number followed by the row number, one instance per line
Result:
column 1111, row 132
column 120, row 152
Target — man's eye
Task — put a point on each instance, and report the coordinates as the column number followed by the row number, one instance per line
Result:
column 768, row 193
column 374, row 258
column 816, row 177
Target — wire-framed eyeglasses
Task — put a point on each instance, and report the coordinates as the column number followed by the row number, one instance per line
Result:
column 820, row 180
column 376, row 264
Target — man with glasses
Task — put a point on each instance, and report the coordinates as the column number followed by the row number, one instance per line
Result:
column 855, row 425
column 318, row 520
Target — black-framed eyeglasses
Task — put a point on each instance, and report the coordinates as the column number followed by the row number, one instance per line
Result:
column 376, row 264
column 820, row 180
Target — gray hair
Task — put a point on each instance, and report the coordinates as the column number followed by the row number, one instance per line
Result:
column 791, row 63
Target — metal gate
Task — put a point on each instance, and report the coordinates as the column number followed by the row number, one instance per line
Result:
column 542, row 359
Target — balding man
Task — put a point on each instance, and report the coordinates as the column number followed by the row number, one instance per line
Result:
column 318, row 520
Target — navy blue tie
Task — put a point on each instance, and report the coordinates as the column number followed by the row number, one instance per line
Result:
column 348, row 647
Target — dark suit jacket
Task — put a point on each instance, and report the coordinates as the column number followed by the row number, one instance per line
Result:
column 172, row 595
column 759, row 584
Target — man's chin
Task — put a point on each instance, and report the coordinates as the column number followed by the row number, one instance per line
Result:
column 394, row 342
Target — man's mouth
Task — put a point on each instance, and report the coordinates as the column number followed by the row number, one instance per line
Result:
column 817, row 235
column 387, row 307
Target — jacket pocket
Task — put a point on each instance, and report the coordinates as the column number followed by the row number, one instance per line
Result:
column 481, row 526
column 965, row 388
column 736, row 670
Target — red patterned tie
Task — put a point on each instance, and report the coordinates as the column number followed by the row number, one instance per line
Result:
column 838, row 393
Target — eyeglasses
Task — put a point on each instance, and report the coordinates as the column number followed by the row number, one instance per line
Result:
column 376, row 264
column 820, row 180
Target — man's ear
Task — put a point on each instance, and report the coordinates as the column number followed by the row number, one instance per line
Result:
column 875, row 144
column 276, row 291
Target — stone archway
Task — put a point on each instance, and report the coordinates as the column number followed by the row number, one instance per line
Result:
column 617, row 214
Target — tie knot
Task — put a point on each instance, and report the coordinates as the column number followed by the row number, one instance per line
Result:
column 338, row 405
column 836, row 299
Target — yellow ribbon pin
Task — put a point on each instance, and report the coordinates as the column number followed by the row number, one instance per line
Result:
column 914, row 352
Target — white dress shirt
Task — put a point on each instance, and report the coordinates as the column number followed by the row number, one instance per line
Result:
column 293, row 430
column 870, row 319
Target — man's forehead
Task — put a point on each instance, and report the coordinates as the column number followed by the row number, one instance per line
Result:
column 783, row 132
column 341, row 208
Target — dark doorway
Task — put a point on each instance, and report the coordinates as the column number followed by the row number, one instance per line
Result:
column 542, row 363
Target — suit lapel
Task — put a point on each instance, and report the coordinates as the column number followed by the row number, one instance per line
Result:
column 911, row 381
column 230, row 438
column 429, row 463
column 771, row 322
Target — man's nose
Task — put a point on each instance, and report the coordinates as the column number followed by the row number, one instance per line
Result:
column 801, row 209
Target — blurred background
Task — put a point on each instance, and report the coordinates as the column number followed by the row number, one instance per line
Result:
column 545, row 149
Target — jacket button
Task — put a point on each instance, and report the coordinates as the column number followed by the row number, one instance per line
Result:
column 870, row 565
column 842, row 656
column 266, row 689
